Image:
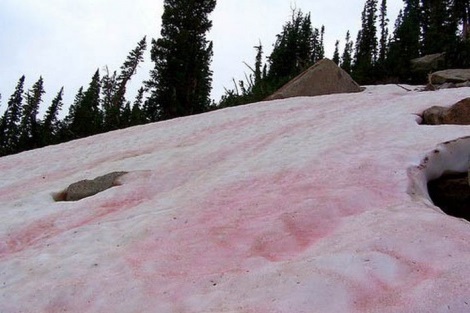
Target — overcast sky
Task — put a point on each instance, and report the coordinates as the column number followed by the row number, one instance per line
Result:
column 66, row 41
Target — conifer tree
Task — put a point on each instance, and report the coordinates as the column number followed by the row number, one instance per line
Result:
column 87, row 118
column 461, row 10
column 336, row 53
column 439, row 26
column 66, row 132
column 366, row 44
column 405, row 44
column 137, row 113
column 51, row 124
column 114, row 87
column 180, row 82
column 383, row 32
column 29, row 126
column 346, row 58
column 318, row 50
column 295, row 49
column 9, row 125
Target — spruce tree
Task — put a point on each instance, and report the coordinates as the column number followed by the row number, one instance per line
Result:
column 29, row 126
column 346, row 58
column 180, row 82
column 295, row 49
column 336, row 53
column 87, row 117
column 383, row 32
column 114, row 88
column 137, row 112
column 51, row 124
column 405, row 44
column 366, row 45
column 9, row 126
column 461, row 10
column 66, row 131
column 439, row 26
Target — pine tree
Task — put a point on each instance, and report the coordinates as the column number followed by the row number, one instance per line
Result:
column 346, row 58
column 86, row 117
column 9, row 125
column 383, row 32
column 180, row 82
column 405, row 44
column 336, row 53
column 137, row 113
column 51, row 124
column 461, row 10
column 296, row 48
column 114, row 87
column 29, row 126
column 318, row 50
column 366, row 44
column 439, row 27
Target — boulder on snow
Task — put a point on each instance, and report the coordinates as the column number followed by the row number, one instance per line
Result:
column 450, row 76
column 428, row 63
column 458, row 114
column 323, row 78
column 86, row 188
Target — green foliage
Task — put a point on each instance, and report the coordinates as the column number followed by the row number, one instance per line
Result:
column 366, row 45
column 346, row 58
column 51, row 125
column 85, row 116
column 29, row 126
column 180, row 82
column 297, row 47
column 336, row 53
column 114, row 89
column 9, row 124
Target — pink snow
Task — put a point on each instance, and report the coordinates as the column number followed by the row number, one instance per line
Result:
column 300, row 205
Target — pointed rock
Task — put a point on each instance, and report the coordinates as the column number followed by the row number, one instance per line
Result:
column 322, row 78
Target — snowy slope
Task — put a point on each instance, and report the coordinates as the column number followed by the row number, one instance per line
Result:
column 298, row 205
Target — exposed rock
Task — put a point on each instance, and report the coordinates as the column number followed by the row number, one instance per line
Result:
column 433, row 115
column 447, row 86
column 450, row 76
column 464, row 84
column 323, row 78
column 452, row 194
column 428, row 63
column 86, row 188
column 458, row 114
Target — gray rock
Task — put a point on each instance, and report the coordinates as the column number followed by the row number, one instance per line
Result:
column 323, row 78
column 450, row 76
column 464, row 84
column 86, row 188
column 428, row 63
column 447, row 86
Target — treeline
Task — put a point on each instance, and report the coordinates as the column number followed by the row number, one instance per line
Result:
column 180, row 82
column 179, row 85
column 378, row 55
column 99, row 108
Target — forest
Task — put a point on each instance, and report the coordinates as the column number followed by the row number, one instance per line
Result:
column 180, row 82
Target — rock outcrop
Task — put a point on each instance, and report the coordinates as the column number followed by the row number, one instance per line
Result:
column 455, row 76
column 86, row 188
column 428, row 63
column 323, row 78
column 458, row 114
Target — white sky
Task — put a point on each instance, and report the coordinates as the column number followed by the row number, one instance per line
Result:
column 66, row 41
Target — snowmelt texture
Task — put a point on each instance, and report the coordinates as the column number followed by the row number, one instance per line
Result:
column 298, row 205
